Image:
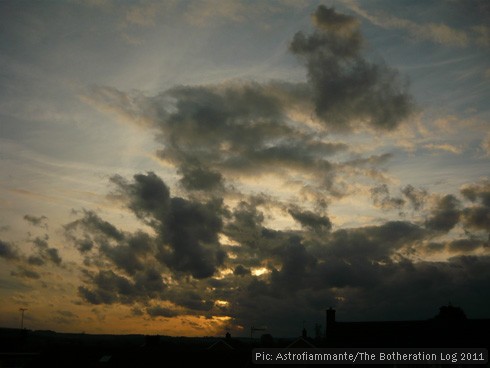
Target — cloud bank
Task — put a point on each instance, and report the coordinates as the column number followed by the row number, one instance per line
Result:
column 249, row 155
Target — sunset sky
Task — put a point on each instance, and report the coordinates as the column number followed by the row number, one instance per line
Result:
column 196, row 167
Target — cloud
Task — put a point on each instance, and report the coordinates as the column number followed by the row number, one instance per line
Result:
column 143, row 16
column 354, row 284
column 98, row 239
column 199, row 178
column 465, row 246
column 92, row 221
column 416, row 197
column 8, row 251
column 108, row 288
column 37, row 221
column 485, row 144
column 478, row 215
column 67, row 314
column 25, row 273
column 445, row 215
column 35, row 261
column 311, row 220
column 213, row 241
column 381, row 198
column 188, row 230
column 44, row 252
column 241, row 271
column 300, row 272
column 374, row 242
column 192, row 233
column 201, row 13
column 212, row 12
column 185, row 243
column 444, row 147
column 159, row 311
column 439, row 33
column 53, row 255
column 246, row 224
column 148, row 196
column 129, row 255
column 295, row 261
column 192, row 300
column 482, row 35
column 215, row 135
column 347, row 89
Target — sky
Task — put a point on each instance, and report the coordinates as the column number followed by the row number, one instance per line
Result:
column 189, row 168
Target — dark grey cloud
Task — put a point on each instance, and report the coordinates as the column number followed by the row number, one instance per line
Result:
column 84, row 245
column 185, row 243
column 213, row 133
column 37, row 221
column 25, row 273
column 445, row 215
column 295, row 262
column 148, row 196
column 44, row 252
column 192, row 300
column 434, row 247
column 478, row 192
column 35, row 260
column 374, row 242
column 100, row 241
column 108, row 288
column 346, row 88
column 52, row 254
column 8, row 251
column 92, row 221
column 350, row 268
column 192, row 230
column 129, row 255
column 159, row 311
column 310, row 220
column 246, row 224
column 466, row 245
column 381, row 198
column 477, row 216
column 362, row 290
column 416, row 197
column 188, row 230
column 150, row 282
column 199, row 178
column 241, row 271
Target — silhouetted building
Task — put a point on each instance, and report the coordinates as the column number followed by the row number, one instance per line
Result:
column 449, row 328
column 301, row 343
column 220, row 345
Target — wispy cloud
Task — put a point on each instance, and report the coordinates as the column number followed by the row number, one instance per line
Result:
column 446, row 147
column 439, row 33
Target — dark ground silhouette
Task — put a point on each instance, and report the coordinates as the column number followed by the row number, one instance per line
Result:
column 25, row 348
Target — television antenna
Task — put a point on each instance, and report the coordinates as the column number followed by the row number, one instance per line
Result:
column 22, row 310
